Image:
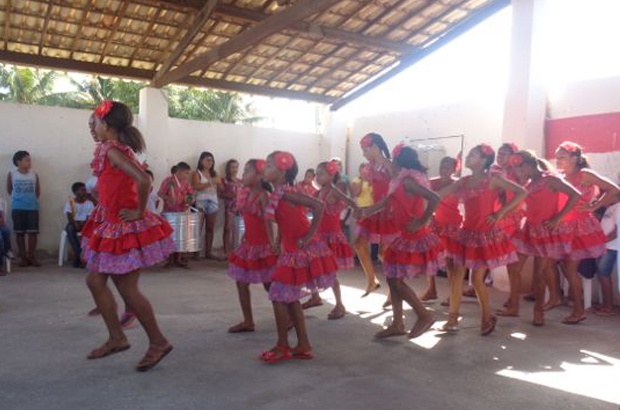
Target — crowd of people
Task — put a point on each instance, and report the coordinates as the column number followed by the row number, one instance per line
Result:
column 512, row 206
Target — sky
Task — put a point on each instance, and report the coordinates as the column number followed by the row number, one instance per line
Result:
column 577, row 41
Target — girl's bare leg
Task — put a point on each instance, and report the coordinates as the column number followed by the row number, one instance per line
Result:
column 137, row 303
column 576, row 289
column 339, row 310
column 397, row 328
column 361, row 248
column 552, row 281
column 209, row 233
column 243, row 289
column 456, row 275
column 431, row 290
column 514, row 277
column 297, row 316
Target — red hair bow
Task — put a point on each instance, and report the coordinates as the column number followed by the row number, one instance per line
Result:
column 515, row 160
column 366, row 141
column 284, row 160
column 570, row 147
column 397, row 150
column 486, row 150
column 259, row 165
column 103, row 109
column 332, row 167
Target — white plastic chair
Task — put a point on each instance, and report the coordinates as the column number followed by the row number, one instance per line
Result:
column 63, row 248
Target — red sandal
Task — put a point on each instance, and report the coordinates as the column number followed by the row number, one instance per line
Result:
column 275, row 355
column 299, row 354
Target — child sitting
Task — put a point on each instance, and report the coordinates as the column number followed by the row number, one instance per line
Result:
column 607, row 262
column 77, row 210
column 178, row 195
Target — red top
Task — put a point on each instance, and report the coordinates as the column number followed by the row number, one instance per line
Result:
column 406, row 207
column 253, row 217
column 331, row 217
column 588, row 194
column 480, row 202
column 447, row 212
column 117, row 190
column 178, row 194
column 541, row 202
column 379, row 178
column 291, row 219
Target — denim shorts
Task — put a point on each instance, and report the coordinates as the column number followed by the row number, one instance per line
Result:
column 208, row 206
column 607, row 262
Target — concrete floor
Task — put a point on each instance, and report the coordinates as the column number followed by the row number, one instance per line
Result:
column 45, row 336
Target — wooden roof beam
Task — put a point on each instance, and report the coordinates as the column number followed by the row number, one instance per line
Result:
column 316, row 29
column 274, row 24
column 201, row 19
column 473, row 19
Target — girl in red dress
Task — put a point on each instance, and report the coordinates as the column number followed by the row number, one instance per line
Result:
column 305, row 263
column 122, row 236
column 544, row 235
column 417, row 250
column 330, row 230
column 380, row 227
column 482, row 244
column 588, row 239
column 253, row 261
column 447, row 219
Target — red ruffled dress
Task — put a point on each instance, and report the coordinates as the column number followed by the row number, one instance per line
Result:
column 111, row 245
column 331, row 233
column 379, row 227
column 299, row 272
column 588, row 239
column 447, row 219
column 412, row 253
column 535, row 239
column 512, row 221
column 253, row 261
column 479, row 245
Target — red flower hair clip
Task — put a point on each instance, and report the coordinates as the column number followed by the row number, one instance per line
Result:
column 259, row 164
column 366, row 141
column 332, row 167
column 515, row 160
column 513, row 147
column 103, row 109
column 284, row 160
column 486, row 150
column 397, row 150
column 570, row 147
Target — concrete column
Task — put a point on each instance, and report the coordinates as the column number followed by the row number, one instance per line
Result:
column 524, row 109
column 153, row 123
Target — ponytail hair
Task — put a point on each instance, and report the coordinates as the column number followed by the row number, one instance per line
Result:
column 487, row 153
column 408, row 158
column 118, row 116
column 530, row 158
column 377, row 140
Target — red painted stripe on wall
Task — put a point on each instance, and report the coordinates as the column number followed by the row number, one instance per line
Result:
column 595, row 133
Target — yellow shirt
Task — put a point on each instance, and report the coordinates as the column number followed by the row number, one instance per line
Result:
column 365, row 196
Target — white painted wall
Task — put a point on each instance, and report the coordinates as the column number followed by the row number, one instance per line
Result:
column 61, row 148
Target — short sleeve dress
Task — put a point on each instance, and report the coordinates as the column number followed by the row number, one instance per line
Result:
column 110, row 245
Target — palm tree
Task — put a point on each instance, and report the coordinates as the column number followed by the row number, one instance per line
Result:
column 208, row 105
column 96, row 89
column 26, row 86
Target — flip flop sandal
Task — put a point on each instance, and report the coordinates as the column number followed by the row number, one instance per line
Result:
column 310, row 304
column 153, row 356
column 336, row 314
column 240, row 328
column 302, row 354
column 389, row 332
column 573, row 320
column 418, row 331
column 106, row 350
column 275, row 355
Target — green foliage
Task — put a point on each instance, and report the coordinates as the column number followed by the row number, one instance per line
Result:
column 32, row 86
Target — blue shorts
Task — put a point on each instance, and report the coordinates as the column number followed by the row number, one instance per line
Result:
column 606, row 263
column 208, row 206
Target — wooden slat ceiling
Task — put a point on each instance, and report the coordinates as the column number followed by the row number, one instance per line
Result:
column 328, row 51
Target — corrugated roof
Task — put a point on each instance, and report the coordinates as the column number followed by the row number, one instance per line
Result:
column 319, row 50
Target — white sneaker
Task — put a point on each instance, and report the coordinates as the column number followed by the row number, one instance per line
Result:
column 9, row 254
